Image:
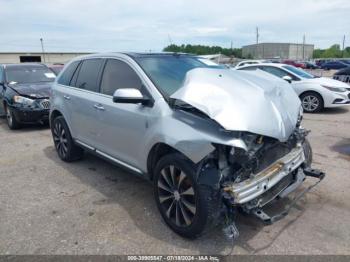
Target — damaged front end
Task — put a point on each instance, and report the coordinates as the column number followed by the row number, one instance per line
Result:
column 271, row 156
column 267, row 171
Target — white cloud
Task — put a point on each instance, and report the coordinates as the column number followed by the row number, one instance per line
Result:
column 115, row 25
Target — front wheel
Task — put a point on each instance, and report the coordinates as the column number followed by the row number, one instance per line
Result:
column 311, row 102
column 11, row 119
column 184, row 205
column 63, row 141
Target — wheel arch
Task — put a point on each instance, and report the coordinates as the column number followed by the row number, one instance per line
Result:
column 55, row 113
column 310, row 92
column 157, row 152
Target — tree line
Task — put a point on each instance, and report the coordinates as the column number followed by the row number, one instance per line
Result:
column 332, row 52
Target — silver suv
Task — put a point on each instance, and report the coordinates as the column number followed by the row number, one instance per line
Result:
column 214, row 141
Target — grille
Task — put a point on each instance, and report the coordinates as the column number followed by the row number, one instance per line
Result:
column 45, row 104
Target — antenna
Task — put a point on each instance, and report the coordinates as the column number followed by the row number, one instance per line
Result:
column 257, row 35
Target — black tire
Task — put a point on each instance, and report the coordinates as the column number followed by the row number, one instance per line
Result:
column 189, row 213
column 308, row 153
column 66, row 149
column 12, row 122
column 311, row 102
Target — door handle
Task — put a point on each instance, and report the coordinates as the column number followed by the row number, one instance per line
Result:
column 99, row 107
column 66, row 97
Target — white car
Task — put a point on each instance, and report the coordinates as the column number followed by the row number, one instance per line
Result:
column 247, row 62
column 315, row 93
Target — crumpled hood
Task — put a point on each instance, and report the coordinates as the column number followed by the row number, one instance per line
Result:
column 34, row 90
column 243, row 100
column 325, row 81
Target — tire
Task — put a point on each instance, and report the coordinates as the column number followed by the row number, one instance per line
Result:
column 311, row 102
column 11, row 119
column 64, row 144
column 308, row 153
column 185, row 206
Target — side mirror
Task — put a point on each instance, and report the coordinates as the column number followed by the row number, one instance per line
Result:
column 288, row 79
column 130, row 96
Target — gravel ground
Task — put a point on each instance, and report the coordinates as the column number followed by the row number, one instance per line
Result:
column 92, row 207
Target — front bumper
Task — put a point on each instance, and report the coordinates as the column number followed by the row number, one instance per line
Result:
column 262, row 182
column 30, row 115
column 337, row 99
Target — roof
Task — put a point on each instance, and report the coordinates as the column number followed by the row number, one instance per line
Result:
column 24, row 65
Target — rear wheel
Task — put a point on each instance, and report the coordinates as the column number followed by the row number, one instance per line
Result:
column 183, row 204
column 311, row 102
column 63, row 141
column 11, row 119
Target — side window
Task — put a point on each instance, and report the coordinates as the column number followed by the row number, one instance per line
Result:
column 68, row 73
column 117, row 74
column 88, row 75
column 249, row 68
column 277, row 72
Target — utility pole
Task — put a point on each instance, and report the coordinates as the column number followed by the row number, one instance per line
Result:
column 304, row 47
column 42, row 49
column 343, row 46
column 257, row 42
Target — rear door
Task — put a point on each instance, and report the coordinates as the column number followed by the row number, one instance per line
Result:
column 81, row 100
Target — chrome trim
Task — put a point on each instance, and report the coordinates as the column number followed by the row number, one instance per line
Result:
column 118, row 161
column 84, row 145
column 251, row 188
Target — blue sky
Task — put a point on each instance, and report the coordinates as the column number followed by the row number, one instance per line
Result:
column 130, row 25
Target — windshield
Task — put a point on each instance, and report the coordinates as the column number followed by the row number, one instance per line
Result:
column 298, row 72
column 168, row 72
column 28, row 74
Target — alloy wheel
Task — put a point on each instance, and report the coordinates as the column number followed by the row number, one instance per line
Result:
column 60, row 139
column 176, row 196
column 310, row 103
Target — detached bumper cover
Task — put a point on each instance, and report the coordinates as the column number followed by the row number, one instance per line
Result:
column 249, row 189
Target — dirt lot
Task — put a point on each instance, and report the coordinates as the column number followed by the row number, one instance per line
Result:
column 92, row 207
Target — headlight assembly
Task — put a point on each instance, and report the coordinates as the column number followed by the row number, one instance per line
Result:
column 23, row 100
column 334, row 89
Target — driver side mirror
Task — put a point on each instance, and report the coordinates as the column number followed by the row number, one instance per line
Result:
column 288, row 79
column 131, row 96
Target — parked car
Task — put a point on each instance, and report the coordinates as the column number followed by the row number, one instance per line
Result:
column 56, row 68
column 24, row 93
column 334, row 65
column 212, row 140
column 294, row 63
column 247, row 62
column 315, row 93
column 310, row 65
column 343, row 75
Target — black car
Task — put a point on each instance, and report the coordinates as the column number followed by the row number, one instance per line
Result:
column 343, row 75
column 24, row 93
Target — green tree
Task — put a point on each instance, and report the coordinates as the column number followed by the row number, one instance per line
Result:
column 203, row 50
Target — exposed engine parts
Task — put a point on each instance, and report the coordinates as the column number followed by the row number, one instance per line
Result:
column 251, row 179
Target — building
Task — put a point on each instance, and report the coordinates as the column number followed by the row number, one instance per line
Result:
column 278, row 50
column 50, row 58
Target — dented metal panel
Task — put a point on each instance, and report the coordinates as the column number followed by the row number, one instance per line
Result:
column 243, row 101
